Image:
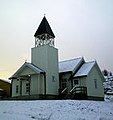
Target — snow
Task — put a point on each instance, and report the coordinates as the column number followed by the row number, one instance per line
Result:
column 108, row 78
column 69, row 65
column 85, row 69
column 8, row 81
column 108, row 85
column 108, row 98
column 56, row 110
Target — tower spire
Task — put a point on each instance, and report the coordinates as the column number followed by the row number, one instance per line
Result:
column 44, row 34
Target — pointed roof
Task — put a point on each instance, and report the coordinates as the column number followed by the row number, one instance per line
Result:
column 43, row 28
column 85, row 69
column 31, row 66
column 70, row 65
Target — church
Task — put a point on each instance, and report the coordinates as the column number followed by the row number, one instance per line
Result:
column 47, row 78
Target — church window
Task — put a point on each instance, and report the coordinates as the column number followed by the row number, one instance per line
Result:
column 17, row 88
column 95, row 82
column 64, row 83
column 76, row 82
column 53, row 78
column 27, row 87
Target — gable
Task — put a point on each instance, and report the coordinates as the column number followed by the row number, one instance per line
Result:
column 89, row 69
column 99, row 72
column 27, row 69
column 85, row 69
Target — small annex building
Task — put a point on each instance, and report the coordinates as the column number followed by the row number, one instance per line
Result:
column 5, row 87
column 46, row 78
column 79, row 79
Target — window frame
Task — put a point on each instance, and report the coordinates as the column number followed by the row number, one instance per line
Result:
column 64, row 83
column 27, row 87
column 75, row 83
column 95, row 83
column 53, row 78
column 17, row 89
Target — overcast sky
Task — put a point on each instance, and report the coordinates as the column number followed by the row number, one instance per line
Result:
column 82, row 28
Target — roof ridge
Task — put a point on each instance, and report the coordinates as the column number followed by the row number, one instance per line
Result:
column 90, row 61
column 70, row 59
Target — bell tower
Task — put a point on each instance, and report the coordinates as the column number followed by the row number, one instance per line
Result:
column 45, row 56
column 44, row 35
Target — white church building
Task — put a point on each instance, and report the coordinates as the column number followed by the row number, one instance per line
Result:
column 46, row 78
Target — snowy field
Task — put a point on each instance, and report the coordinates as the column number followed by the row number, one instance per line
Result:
column 56, row 110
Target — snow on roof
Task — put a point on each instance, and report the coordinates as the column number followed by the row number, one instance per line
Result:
column 85, row 69
column 70, row 65
column 8, row 81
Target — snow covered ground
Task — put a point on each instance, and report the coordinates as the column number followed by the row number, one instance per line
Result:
column 108, row 98
column 56, row 110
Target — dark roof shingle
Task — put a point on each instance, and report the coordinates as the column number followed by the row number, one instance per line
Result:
column 43, row 28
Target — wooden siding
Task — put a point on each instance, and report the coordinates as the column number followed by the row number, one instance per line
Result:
column 6, row 87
